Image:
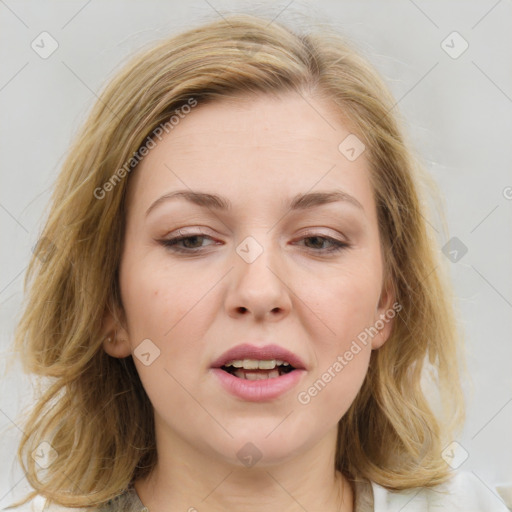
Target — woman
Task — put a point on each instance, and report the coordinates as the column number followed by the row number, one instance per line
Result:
column 279, row 364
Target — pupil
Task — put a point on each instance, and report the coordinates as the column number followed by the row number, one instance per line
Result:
column 190, row 245
column 318, row 239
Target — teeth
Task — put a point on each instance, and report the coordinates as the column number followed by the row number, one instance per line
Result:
column 254, row 364
column 241, row 374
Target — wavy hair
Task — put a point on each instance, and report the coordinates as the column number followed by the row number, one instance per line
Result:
column 93, row 409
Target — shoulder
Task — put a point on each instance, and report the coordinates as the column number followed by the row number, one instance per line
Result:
column 127, row 501
column 39, row 504
column 464, row 492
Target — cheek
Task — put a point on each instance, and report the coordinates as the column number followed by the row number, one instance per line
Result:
column 345, row 302
column 166, row 306
column 346, row 307
column 156, row 295
column 333, row 387
column 161, row 307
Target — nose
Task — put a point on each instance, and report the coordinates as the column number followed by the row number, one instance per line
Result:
column 259, row 287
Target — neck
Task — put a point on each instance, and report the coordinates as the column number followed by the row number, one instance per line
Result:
column 186, row 478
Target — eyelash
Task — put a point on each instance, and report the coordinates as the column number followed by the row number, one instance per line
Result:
column 170, row 243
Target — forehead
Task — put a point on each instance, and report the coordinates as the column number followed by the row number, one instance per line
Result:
column 259, row 120
column 257, row 146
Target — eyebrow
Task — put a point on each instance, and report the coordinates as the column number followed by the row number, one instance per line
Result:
column 298, row 202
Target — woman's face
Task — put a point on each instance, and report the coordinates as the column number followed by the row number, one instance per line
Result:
column 258, row 272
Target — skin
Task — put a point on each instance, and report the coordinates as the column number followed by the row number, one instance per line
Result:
column 258, row 152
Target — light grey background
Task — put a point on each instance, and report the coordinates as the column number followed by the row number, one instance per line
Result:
column 458, row 112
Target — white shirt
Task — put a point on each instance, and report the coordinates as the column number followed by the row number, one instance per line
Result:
column 463, row 493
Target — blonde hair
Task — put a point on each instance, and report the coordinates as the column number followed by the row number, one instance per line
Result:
column 94, row 411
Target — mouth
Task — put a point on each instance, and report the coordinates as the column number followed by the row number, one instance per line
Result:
column 258, row 380
column 253, row 362
column 258, row 373
column 258, row 370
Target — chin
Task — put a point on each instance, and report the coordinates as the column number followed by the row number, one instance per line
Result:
column 255, row 447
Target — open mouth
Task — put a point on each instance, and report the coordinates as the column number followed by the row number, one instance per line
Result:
column 259, row 373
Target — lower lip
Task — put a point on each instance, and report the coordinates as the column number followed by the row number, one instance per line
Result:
column 258, row 390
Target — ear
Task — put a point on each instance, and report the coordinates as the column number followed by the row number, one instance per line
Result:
column 116, row 340
column 386, row 310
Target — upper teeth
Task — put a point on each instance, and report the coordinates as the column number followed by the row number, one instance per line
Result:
column 253, row 364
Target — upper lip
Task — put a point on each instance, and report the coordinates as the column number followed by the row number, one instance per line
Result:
column 266, row 352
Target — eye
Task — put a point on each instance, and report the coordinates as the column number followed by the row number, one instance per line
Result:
column 192, row 243
column 189, row 241
column 336, row 245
